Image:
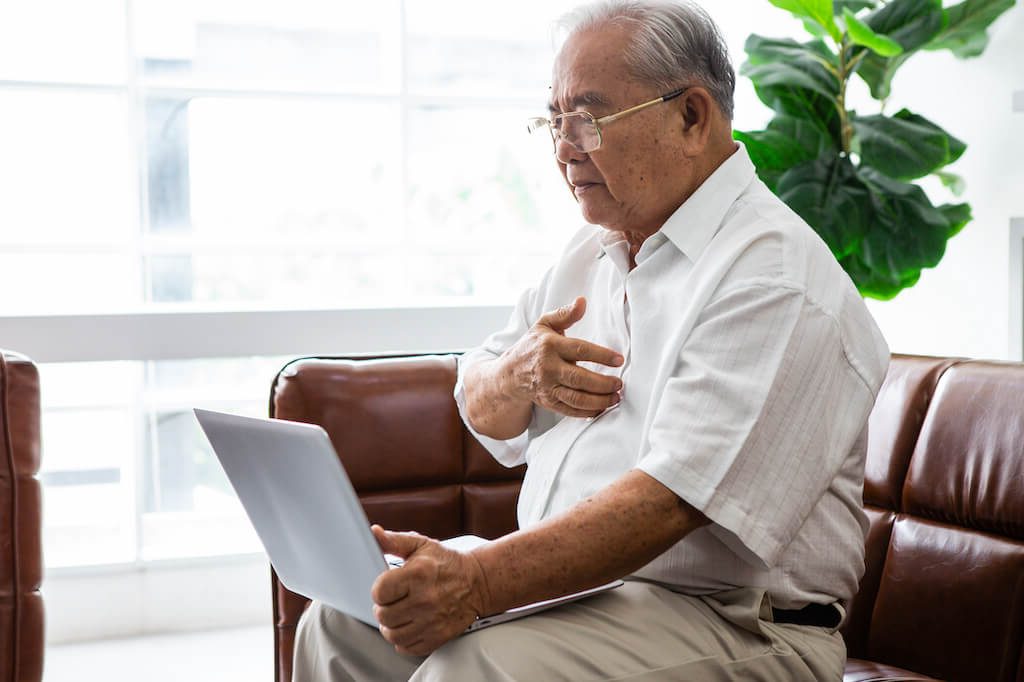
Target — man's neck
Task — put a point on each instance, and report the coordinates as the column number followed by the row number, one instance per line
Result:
column 703, row 169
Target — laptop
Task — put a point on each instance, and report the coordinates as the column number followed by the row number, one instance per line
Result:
column 307, row 514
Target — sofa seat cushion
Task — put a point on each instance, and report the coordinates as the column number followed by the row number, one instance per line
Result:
column 868, row 671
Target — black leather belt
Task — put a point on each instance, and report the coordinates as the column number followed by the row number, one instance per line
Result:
column 818, row 615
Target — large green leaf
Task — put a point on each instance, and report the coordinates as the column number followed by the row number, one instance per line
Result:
column 911, row 23
column 876, row 284
column 827, row 193
column 771, row 152
column 878, row 71
column 782, row 62
column 862, row 34
column 958, row 216
column 907, row 233
column 812, row 138
column 818, row 11
column 951, row 181
column 853, row 5
column 787, row 142
column 794, row 79
column 966, row 28
column 905, row 146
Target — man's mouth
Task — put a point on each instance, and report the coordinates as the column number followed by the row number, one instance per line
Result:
column 580, row 188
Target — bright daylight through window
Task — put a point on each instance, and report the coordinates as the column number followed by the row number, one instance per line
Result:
column 224, row 155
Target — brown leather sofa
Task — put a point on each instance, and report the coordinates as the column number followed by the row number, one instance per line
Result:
column 21, row 555
column 943, row 592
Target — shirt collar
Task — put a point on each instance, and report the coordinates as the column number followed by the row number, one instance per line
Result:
column 699, row 218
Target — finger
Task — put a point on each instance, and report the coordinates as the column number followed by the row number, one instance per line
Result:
column 415, row 649
column 578, row 350
column 582, row 379
column 568, row 411
column 399, row 544
column 391, row 616
column 389, row 587
column 562, row 318
column 587, row 402
column 405, row 636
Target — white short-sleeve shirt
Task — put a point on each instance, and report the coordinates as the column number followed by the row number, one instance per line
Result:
column 751, row 365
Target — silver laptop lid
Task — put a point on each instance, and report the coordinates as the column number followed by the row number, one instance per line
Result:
column 303, row 507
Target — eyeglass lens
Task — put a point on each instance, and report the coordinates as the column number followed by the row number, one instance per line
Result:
column 578, row 129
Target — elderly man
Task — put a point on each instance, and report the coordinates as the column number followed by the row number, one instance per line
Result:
column 689, row 384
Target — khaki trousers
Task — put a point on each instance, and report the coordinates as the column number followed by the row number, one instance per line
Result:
column 640, row 632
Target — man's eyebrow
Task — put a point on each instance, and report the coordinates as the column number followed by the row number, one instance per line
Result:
column 582, row 101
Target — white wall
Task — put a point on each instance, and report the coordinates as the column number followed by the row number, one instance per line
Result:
column 962, row 306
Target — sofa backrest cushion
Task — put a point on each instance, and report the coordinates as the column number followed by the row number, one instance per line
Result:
column 397, row 430
column 943, row 590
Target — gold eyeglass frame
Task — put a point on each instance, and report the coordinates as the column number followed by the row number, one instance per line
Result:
column 538, row 122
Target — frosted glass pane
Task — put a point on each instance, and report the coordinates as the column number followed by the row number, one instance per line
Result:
column 495, row 274
column 259, row 169
column 55, row 283
column 190, row 508
column 498, row 197
column 70, row 384
column 63, row 40
column 88, row 524
column 113, row 428
column 298, row 45
column 88, row 438
column 89, row 493
column 67, row 170
column 482, row 48
column 287, row 277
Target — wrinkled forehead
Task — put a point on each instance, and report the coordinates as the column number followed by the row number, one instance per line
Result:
column 589, row 71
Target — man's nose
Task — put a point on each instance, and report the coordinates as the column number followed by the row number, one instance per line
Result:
column 566, row 152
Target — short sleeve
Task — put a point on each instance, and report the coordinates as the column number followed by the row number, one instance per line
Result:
column 511, row 452
column 758, row 415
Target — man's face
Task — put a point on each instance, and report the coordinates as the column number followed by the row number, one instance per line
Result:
column 634, row 181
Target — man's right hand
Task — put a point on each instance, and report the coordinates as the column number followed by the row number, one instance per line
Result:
column 541, row 367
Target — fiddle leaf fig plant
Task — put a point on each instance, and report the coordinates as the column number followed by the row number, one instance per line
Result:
column 852, row 175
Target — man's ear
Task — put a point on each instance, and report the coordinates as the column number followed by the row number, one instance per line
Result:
column 698, row 110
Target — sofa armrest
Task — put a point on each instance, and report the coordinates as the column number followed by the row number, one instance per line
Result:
column 396, row 428
column 21, row 572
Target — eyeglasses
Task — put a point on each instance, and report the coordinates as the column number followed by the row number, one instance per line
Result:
column 581, row 130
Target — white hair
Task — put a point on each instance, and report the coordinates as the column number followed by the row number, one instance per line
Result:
column 674, row 44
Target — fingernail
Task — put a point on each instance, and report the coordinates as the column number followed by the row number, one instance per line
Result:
column 619, row 359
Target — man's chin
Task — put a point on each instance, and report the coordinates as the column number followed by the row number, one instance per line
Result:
column 594, row 213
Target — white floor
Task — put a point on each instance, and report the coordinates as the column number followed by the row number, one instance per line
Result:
column 222, row 655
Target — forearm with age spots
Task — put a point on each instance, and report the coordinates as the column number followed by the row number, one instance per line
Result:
column 606, row 536
column 490, row 407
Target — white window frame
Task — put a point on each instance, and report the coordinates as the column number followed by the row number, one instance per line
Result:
column 195, row 334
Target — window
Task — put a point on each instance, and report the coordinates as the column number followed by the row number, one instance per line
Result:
column 161, row 158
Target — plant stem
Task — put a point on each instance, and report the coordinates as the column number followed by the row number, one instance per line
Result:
column 845, row 129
